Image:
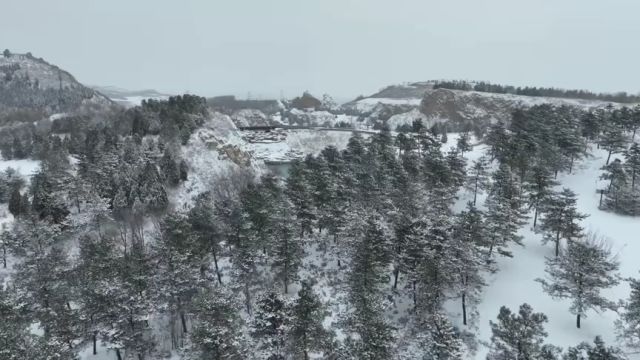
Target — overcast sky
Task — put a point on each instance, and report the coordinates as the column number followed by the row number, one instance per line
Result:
column 341, row 47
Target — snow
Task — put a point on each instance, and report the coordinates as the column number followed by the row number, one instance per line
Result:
column 367, row 104
column 514, row 283
column 299, row 143
column 25, row 167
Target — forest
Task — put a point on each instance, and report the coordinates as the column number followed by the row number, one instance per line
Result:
column 259, row 265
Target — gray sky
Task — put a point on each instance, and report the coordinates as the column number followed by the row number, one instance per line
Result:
column 342, row 47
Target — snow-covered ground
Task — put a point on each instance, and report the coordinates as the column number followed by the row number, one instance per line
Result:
column 367, row 104
column 299, row 143
column 25, row 167
column 514, row 283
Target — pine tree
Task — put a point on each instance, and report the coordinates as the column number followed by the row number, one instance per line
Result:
column 202, row 220
column 438, row 340
column 178, row 263
column 217, row 333
column 170, row 169
column 299, row 192
column 463, row 144
column 43, row 275
column 478, row 178
column 517, row 336
column 270, row 325
column 632, row 163
column 369, row 260
column 597, row 351
column 15, row 202
column 505, row 212
column 617, row 176
column 287, row 248
column 628, row 327
column 539, row 186
column 561, row 218
column 469, row 239
column 613, row 140
column 580, row 273
column 307, row 333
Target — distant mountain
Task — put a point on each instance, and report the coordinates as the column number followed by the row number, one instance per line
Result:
column 29, row 83
column 129, row 97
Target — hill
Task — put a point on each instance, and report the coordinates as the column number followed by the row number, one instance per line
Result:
column 401, row 104
column 29, row 83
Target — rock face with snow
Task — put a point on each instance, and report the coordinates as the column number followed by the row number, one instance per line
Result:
column 481, row 108
column 399, row 105
column 33, row 84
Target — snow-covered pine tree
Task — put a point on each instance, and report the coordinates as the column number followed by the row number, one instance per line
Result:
column 209, row 236
column 43, row 277
column 597, row 351
column 580, row 273
column 469, row 238
column 307, row 333
column 613, row 140
column 177, row 270
column 17, row 341
column 438, row 340
column 618, row 179
column 369, row 261
column 505, row 212
column 287, row 247
column 539, row 187
column 15, row 202
column 457, row 166
column 217, row 327
column 464, row 143
column 628, row 326
column 561, row 218
column 169, row 168
column 517, row 336
column 270, row 325
column 478, row 177
column 300, row 194
column 632, row 163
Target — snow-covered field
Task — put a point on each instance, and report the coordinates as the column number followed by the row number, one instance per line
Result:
column 514, row 283
column 25, row 167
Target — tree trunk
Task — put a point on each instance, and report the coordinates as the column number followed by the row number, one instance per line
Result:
column 415, row 298
column 95, row 340
column 535, row 217
column 183, row 321
column 396, row 272
column 118, row 355
column 464, row 308
column 578, row 321
column 215, row 264
column 609, row 157
column 601, row 194
column 558, row 243
column 475, row 192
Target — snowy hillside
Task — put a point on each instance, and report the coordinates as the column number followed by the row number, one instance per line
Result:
column 30, row 83
column 400, row 104
column 514, row 283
